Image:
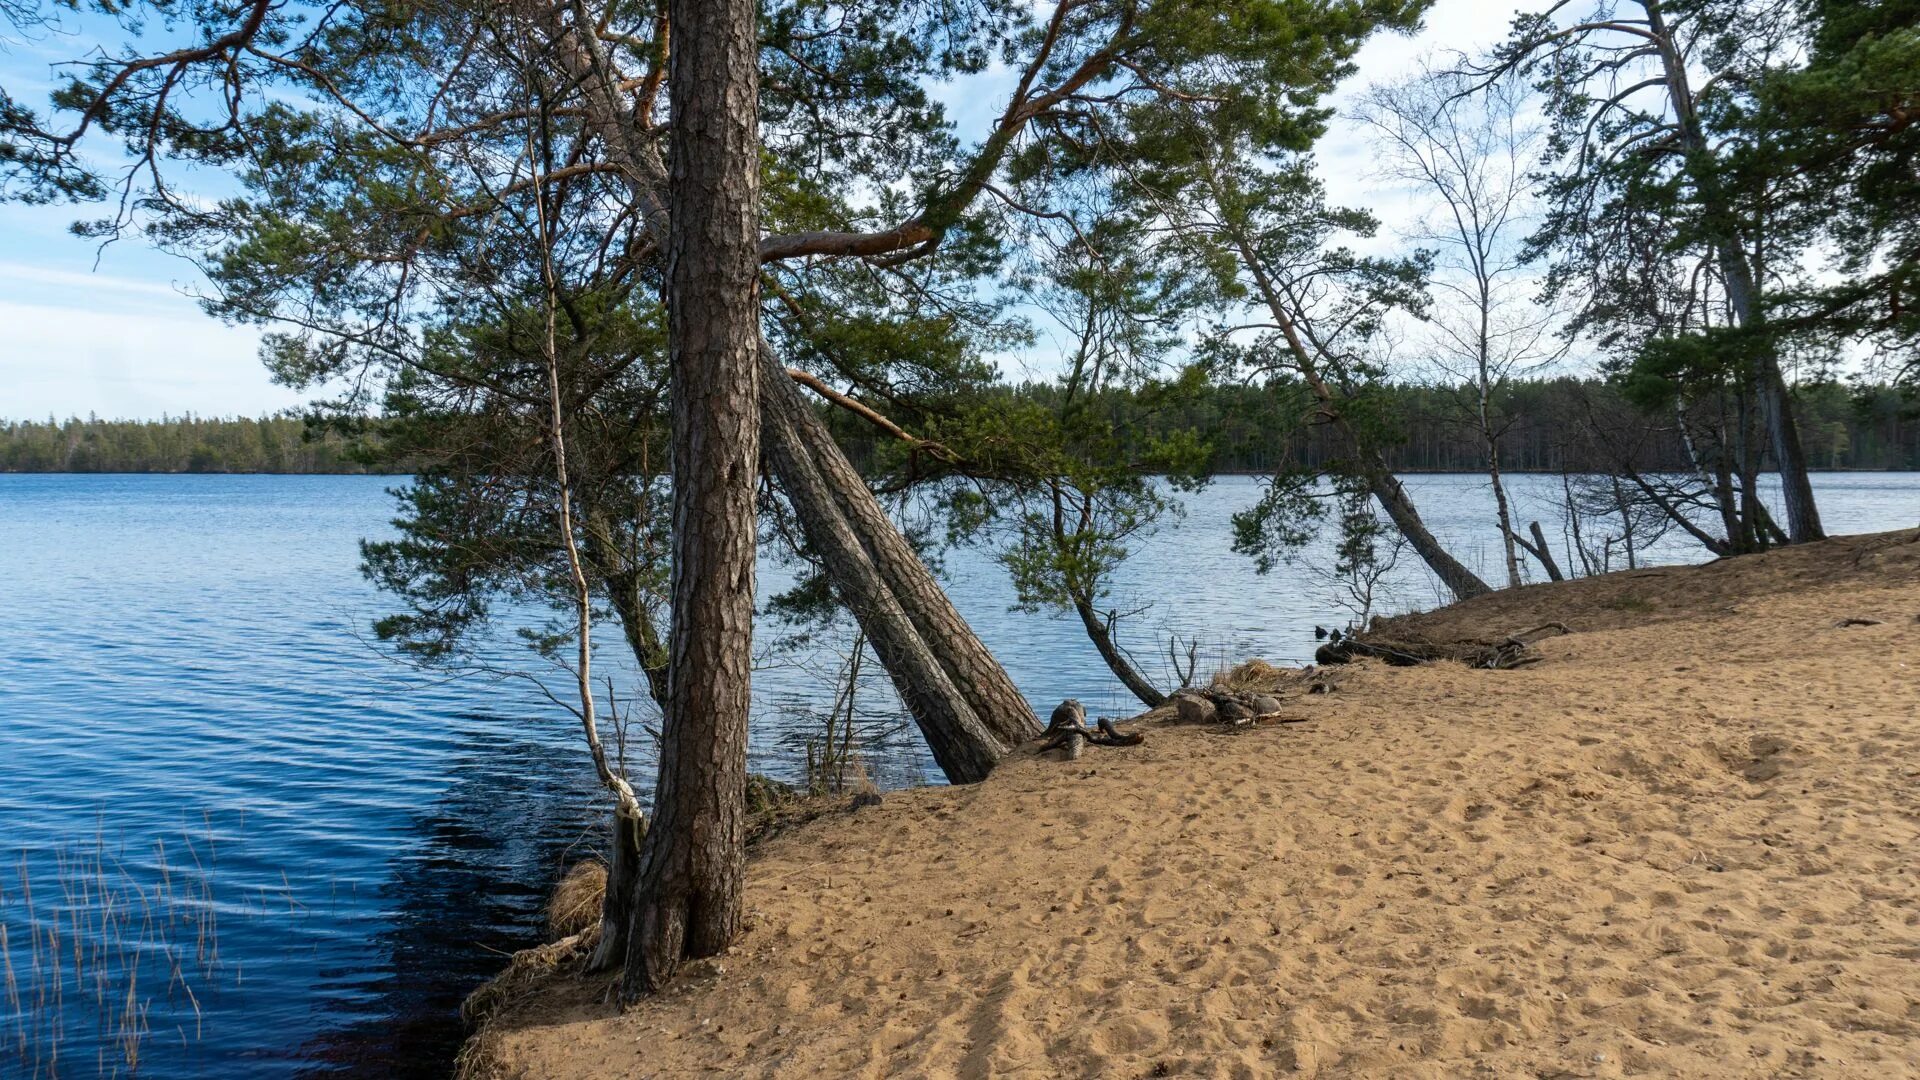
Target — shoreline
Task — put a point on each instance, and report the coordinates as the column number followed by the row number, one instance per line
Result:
column 1678, row 844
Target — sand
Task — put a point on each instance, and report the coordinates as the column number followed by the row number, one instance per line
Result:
column 1687, row 843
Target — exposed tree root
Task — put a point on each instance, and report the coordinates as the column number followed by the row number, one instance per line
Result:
column 526, row 971
column 1068, row 729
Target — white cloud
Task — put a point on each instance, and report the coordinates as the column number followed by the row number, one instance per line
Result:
column 72, row 359
column 35, row 277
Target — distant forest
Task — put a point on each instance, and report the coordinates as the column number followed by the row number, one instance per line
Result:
column 1251, row 428
column 184, row 444
column 1549, row 425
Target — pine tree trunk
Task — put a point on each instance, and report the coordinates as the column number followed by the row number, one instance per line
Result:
column 1796, row 487
column 1453, row 573
column 636, row 622
column 978, row 676
column 972, row 669
column 1743, row 294
column 1117, row 662
column 1753, row 534
column 693, row 860
column 965, row 750
column 1385, row 487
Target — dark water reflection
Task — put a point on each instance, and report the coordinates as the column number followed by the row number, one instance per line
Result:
column 298, row 855
column 451, row 914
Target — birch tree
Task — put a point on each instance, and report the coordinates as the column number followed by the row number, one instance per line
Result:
column 1469, row 159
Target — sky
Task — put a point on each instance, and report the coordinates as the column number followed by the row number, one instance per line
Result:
column 115, row 331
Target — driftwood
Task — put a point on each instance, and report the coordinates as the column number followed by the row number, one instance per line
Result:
column 1068, row 729
column 1513, row 651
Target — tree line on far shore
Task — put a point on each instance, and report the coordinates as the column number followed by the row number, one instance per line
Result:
column 185, row 444
column 1255, row 428
column 1248, row 429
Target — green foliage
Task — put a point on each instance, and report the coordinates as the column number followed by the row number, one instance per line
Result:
column 1287, row 516
column 1683, row 206
column 1057, row 488
column 1258, row 428
column 1671, row 369
column 1844, row 121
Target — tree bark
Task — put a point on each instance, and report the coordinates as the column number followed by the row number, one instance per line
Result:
column 1102, row 637
column 1573, row 522
column 626, row 834
column 1452, row 573
column 971, row 668
column 1743, row 288
column 1385, row 487
column 1796, row 487
column 1541, row 551
column 692, row 862
column 636, row 625
column 957, row 649
column 622, row 585
column 965, row 750
column 1507, row 535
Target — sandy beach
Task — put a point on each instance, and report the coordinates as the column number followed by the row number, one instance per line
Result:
column 1684, row 843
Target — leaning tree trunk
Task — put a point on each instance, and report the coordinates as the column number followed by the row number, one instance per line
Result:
column 622, row 584
column 967, row 662
column 970, row 667
column 1453, row 573
column 1380, row 480
column 1543, row 552
column 1101, row 635
column 693, row 860
column 1796, row 487
column 965, row 750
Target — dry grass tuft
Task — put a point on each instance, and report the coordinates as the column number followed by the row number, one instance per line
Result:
column 573, row 921
column 1250, row 675
column 479, row 1057
column 573, row 924
column 574, row 906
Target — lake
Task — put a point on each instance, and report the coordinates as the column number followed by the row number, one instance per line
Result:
column 242, row 840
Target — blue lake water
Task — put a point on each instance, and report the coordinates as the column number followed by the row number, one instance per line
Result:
column 238, row 839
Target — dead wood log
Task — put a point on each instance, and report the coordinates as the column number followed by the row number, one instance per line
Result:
column 1512, row 651
column 1540, row 550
